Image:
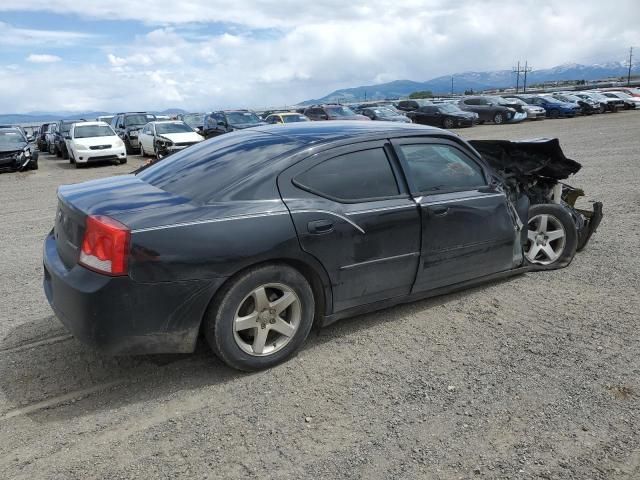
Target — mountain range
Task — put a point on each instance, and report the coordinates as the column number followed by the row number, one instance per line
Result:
column 476, row 81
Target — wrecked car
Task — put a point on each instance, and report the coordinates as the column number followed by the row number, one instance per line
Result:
column 17, row 152
column 253, row 237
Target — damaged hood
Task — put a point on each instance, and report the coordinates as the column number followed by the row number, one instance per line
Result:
column 525, row 160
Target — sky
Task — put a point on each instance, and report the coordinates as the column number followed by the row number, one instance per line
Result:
column 200, row 55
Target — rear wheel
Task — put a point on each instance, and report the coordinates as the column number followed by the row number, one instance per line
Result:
column 552, row 237
column 554, row 113
column 261, row 318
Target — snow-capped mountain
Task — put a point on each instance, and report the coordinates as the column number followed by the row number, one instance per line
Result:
column 478, row 81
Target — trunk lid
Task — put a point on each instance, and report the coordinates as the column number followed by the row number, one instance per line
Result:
column 125, row 198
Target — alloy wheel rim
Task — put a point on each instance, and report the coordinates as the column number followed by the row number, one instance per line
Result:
column 546, row 239
column 267, row 319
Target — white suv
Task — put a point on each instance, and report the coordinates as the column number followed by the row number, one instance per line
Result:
column 94, row 142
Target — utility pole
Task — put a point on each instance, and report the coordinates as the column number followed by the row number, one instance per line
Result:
column 451, row 84
column 527, row 68
column 516, row 70
column 629, row 73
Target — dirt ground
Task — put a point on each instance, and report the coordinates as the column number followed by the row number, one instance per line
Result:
column 537, row 376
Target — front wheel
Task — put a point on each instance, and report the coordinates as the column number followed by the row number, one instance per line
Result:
column 261, row 318
column 448, row 123
column 498, row 118
column 552, row 237
column 554, row 113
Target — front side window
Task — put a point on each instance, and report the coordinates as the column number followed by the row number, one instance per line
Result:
column 434, row 168
column 363, row 175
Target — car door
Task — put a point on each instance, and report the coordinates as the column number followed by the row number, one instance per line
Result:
column 69, row 142
column 351, row 213
column 146, row 138
column 468, row 227
column 428, row 115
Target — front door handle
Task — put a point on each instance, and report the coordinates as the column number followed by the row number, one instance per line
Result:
column 318, row 227
column 439, row 211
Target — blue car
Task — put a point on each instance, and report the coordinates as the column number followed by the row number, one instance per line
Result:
column 554, row 107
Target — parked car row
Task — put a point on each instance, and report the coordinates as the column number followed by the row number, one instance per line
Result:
column 158, row 135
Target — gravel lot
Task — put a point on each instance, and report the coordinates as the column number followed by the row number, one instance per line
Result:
column 534, row 377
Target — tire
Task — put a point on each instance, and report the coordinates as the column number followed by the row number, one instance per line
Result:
column 51, row 149
column 58, row 152
column 554, row 113
column 65, row 153
column 123, row 161
column 498, row 118
column 239, row 299
column 127, row 146
column 540, row 244
column 448, row 123
column 79, row 165
column 603, row 108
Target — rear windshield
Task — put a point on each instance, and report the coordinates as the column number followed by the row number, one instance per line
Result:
column 228, row 167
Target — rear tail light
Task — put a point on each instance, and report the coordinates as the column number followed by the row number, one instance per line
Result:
column 105, row 246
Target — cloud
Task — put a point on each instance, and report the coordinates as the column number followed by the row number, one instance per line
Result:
column 274, row 53
column 20, row 37
column 43, row 58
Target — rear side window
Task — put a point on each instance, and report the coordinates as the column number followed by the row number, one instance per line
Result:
column 435, row 168
column 363, row 175
column 234, row 166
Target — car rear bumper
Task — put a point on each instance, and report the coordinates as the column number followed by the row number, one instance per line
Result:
column 117, row 315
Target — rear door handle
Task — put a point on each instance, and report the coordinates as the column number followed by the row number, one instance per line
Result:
column 439, row 211
column 318, row 227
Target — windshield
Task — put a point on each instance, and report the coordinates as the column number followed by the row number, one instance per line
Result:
column 449, row 108
column 598, row 96
column 177, row 127
column 339, row 111
column 294, row 118
column 194, row 119
column 384, row 112
column 142, row 119
column 11, row 138
column 66, row 126
column 239, row 118
column 106, row 119
column 88, row 131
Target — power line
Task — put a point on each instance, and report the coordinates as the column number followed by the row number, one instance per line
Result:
column 521, row 70
column 629, row 72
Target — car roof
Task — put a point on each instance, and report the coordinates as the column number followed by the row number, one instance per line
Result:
column 326, row 132
column 91, row 124
column 287, row 114
column 167, row 121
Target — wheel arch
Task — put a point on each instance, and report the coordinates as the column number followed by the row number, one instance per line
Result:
column 310, row 268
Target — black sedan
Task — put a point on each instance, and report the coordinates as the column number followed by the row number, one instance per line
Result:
column 444, row 115
column 254, row 236
column 17, row 152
